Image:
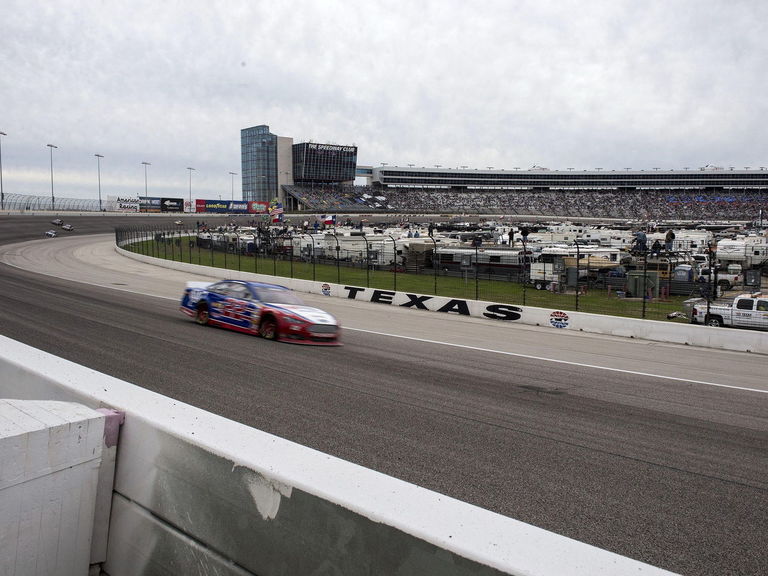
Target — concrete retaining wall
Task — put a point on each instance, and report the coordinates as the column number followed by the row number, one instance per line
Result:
column 196, row 493
column 672, row 332
column 50, row 458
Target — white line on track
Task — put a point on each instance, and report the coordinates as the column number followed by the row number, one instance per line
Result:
column 568, row 362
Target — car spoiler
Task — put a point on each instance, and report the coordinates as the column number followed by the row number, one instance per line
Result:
column 199, row 285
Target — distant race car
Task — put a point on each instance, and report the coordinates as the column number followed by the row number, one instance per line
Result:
column 269, row 310
column 51, row 233
column 67, row 227
column 57, row 222
column 179, row 222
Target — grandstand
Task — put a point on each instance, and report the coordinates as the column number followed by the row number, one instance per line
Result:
column 707, row 205
column 700, row 195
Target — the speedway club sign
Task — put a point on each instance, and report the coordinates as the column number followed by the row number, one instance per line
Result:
column 434, row 303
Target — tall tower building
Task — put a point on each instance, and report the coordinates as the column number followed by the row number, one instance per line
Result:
column 267, row 163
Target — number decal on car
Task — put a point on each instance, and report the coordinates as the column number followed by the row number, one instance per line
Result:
column 235, row 309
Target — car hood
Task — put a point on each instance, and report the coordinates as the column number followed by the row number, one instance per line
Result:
column 308, row 313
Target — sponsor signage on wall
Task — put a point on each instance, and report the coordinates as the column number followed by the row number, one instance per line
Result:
column 148, row 204
column 258, row 207
column 222, row 206
column 124, row 203
column 171, row 205
column 435, row 304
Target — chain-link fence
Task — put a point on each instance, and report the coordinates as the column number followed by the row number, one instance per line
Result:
column 25, row 202
column 640, row 285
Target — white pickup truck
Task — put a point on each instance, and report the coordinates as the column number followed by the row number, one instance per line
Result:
column 727, row 278
column 746, row 311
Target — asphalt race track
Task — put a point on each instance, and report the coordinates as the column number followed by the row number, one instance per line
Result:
column 654, row 451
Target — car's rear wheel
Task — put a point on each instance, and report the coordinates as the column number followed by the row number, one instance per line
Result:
column 202, row 317
column 268, row 328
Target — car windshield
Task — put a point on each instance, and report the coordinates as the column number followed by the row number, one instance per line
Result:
column 277, row 296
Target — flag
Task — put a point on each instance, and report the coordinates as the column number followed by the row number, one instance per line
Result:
column 329, row 219
column 276, row 211
column 275, row 207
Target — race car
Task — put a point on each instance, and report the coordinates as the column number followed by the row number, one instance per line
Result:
column 272, row 311
column 51, row 233
column 67, row 227
column 57, row 222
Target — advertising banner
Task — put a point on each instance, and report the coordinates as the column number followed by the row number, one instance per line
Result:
column 221, row 206
column 147, row 204
column 238, row 207
column 123, row 204
column 258, row 207
column 171, row 205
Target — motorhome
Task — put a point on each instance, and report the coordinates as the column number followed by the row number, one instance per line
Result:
column 553, row 262
column 749, row 251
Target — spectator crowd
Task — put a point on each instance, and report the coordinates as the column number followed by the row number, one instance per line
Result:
column 637, row 204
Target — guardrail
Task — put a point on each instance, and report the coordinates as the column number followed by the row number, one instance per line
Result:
column 198, row 494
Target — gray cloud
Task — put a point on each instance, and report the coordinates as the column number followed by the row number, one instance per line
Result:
column 608, row 84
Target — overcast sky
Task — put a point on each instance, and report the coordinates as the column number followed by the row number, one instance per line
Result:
column 561, row 84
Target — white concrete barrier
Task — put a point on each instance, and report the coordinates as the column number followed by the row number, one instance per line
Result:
column 50, row 457
column 557, row 319
column 198, row 494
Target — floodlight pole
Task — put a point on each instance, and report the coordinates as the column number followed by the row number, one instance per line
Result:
column 98, row 171
column 145, row 176
column 233, row 174
column 53, row 199
column 2, row 194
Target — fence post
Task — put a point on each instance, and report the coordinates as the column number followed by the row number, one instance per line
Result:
column 367, row 264
column 338, row 256
column 434, row 261
column 239, row 249
column 578, row 273
column 394, row 260
column 645, row 280
column 288, row 251
column 477, row 274
column 524, row 231
column 273, row 245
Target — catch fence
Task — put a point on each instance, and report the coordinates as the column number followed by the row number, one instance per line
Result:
column 646, row 289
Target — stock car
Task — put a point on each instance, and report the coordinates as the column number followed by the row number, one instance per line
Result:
column 271, row 311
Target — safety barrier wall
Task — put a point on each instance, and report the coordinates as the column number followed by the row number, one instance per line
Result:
column 50, row 467
column 671, row 332
column 196, row 493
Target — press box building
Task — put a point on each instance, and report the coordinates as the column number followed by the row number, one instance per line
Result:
column 270, row 161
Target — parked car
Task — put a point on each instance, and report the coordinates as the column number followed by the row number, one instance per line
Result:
column 271, row 311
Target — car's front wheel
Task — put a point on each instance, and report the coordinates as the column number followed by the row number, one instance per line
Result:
column 268, row 328
column 715, row 321
column 202, row 317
